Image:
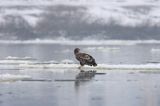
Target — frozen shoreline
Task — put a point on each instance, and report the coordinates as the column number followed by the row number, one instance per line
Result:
column 99, row 67
column 25, row 63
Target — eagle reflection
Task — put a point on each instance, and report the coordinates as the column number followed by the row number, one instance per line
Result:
column 84, row 76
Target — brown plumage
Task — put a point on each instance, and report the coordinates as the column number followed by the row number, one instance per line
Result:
column 84, row 59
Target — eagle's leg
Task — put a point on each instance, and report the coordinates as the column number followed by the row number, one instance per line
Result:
column 81, row 65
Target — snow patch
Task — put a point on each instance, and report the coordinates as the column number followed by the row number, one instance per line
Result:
column 81, row 42
column 31, row 20
column 12, row 77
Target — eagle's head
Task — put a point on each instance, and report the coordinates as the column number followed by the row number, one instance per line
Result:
column 76, row 50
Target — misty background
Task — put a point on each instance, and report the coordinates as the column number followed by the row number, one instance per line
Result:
column 80, row 19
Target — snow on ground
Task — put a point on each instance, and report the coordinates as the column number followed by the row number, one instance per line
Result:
column 11, row 77
column 27, row 63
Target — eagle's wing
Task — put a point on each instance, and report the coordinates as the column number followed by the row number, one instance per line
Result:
column 85, row 57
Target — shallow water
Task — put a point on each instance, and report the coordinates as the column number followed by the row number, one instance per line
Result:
column 71, row 87
column 107, row 54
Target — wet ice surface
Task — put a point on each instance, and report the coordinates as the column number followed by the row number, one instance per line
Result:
column 75, row 88
column 40, row 86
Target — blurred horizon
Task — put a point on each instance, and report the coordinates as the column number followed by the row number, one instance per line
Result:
column 80, row 19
